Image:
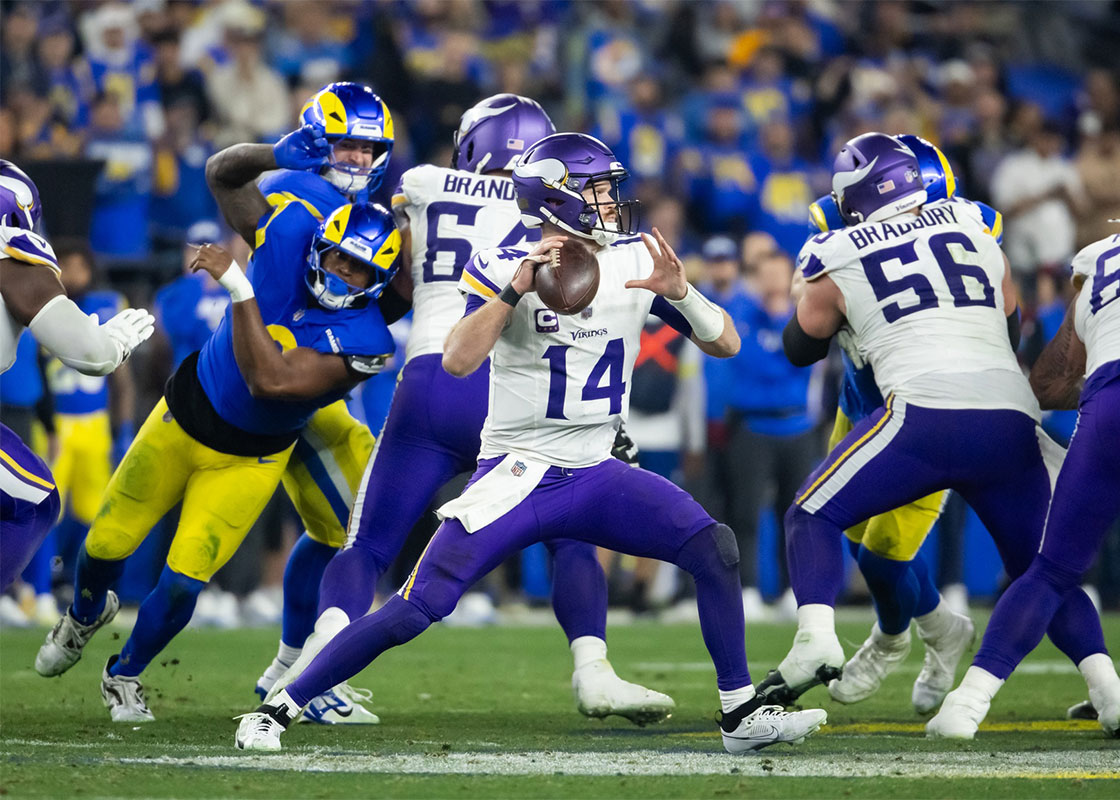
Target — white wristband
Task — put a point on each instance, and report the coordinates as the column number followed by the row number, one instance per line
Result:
column 235, row 282
column 705, row 317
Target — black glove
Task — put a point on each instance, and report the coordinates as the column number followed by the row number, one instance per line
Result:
column 624, row 448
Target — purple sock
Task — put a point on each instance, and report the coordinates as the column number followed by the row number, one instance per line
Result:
column 710, row 557
column 815, row 552
column 579, row 589
column 357, row 645
column 349, row 582
column 1046, row 598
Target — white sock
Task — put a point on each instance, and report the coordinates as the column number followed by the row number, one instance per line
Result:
column 816, row 617
column 731, row 700
column 1099, row 673
column 981, row 682
column 586, row 649
column 287, row 654
column 331, row 621
column 936, row 622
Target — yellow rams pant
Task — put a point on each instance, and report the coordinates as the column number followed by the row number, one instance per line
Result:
column 222, row 496
column 325, row 471
column 84, row 462
column 898, row 534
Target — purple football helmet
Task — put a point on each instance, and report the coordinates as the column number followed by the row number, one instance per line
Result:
column 875, row 176
column 551, row 176
column 495, row 132
column 19, row 198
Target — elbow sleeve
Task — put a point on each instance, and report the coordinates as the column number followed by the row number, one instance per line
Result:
column 77, row 341
column 1014, row 329
column 801, row 348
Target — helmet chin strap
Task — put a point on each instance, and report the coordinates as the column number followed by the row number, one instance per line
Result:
column 346, row 181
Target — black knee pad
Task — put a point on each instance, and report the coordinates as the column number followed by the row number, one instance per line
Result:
column 709, row 550
column 726, row 544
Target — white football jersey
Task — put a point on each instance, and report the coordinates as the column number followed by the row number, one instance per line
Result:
column 21, row 245
column 1096, row 317
column 452, row 214
column 560, row 384
column 924, row 299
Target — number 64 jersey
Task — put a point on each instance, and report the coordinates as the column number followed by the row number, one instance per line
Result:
column 1097, row 313
column 924, row 301
column 560, row 384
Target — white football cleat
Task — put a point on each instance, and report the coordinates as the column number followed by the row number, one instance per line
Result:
column 960, row 715
column 1106, row 701
column 1083, row 710
column 66, row 640
column 600, row 692
column 329, row 624
column 341, row 705
column 879, row 656
column 261, row 729
column 816, row 657
column 752, row 727
column 939, row 669
column 124, row 696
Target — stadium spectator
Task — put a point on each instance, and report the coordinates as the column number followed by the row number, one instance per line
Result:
column 785, row 189
column 177, row 82
column 68, row 79
column 1098, row 166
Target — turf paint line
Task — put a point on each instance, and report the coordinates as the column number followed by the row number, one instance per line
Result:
column 865, row 728
column 1028, row 668
column 1071, row 764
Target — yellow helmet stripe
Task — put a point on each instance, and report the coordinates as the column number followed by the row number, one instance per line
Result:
column 334, row 113
column 336, row 224
column 950, row 179
column 389, row 251
column 387, row 128
column 817, row 216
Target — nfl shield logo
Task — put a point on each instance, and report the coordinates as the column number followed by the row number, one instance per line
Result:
column 518, row 469
column 586, row 313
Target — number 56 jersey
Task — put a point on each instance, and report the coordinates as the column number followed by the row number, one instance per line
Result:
column 452, row 214
column 560, row 384
column 923, row 297
column 1097, row 314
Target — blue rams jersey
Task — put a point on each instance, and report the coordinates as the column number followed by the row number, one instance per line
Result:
column 277, row 270
column 288, row 184
column 189, row 309
column 22, row 385
column 75, row 393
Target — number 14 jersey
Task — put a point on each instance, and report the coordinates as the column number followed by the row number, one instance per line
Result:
column 924, row 300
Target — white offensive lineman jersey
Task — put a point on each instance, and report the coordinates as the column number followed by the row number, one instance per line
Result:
column 452, row 214
column 1096, row 316
column 925, row 302
column 21, row 245
column 560, row 384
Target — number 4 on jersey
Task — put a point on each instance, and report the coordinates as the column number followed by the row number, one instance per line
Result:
column 608, row 365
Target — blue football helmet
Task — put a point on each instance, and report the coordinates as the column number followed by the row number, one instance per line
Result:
column 365, row 232
column 936, row 173
column 352, row 111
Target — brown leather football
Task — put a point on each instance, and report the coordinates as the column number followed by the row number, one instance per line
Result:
column 568, row 282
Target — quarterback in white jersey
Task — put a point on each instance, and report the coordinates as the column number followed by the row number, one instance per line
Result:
column 1079, row 368
column 432, row 430
column 560, row 391
column 32, row 296
column 928, row 297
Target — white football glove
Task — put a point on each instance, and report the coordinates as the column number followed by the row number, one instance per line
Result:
column 847, row 341
column 129, row 329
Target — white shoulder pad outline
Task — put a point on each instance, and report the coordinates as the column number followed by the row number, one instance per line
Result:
column 488, row 271
column 28, row 247
column 1085, row 262
column 817, row 251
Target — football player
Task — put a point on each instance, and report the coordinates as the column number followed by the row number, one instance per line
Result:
column 221, row 437
column 1079, row 368
column 886, row 546
column 330, row 455
column 558, row 390
column 432, row 432
column 927, row 295
column 32, row 296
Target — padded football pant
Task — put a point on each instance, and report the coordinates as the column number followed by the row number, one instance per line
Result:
column 431, row 435
column 29, row 505
column 903, row 452
column 1086, row 503
column 611, row 505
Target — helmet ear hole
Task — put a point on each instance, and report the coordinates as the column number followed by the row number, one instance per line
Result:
column 470, row 151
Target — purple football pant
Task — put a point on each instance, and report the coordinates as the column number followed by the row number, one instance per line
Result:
column 1086, row 503
column 903, row 452
column 612, row 505
column 29, row 505
column 430, row 436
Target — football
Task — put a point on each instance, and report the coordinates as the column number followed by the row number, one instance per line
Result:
column 568, row 282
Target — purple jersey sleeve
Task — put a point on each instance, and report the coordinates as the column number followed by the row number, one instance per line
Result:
column 664, row 309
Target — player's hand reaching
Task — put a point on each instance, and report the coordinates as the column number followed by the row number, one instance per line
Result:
column 213, row 259
column 667, row 278
column 525, row 279
column 304, row 148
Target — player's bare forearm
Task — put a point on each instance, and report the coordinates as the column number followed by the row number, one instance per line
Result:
column 1057, row 375
column 230, row 174
column 469, row 343
column 728, row 343
column 296, row 374
column 26, row 288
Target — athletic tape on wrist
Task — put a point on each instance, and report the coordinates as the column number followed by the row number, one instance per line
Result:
column 702, row 314
column 235, row 282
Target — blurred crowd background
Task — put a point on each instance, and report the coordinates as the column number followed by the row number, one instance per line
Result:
column 726, row 112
